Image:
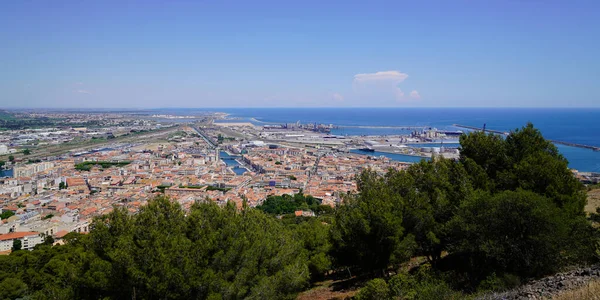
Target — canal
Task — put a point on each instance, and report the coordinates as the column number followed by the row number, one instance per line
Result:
column 393, row 156
column 6, row 173
column 230, row 161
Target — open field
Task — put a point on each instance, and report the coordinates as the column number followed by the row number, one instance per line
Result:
column 590, row 291
column 593, row 201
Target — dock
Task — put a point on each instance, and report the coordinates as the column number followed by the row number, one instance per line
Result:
column 594, row 148
column 383, row 127
column 480, row 129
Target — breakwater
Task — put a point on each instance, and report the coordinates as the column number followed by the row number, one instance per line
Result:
column 594, row 148
column 384, row 127
column 480, row 129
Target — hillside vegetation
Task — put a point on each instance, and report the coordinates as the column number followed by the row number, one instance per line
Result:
column 507, row 211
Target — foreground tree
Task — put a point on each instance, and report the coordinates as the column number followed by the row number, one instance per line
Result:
column 508, row 209
column 516, row 232
column 160, row 253
column 367, row 230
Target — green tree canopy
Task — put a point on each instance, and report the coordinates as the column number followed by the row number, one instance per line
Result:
column 6, row 214
column 16, row 245
column 367, row 230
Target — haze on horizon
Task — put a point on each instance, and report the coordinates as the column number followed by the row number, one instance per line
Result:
column 181, row 53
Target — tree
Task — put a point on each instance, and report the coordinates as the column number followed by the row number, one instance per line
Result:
column 518, row 232
column 48, row 240
column 287, row 204
column 523, row 160
column 432, row 192
column 539, row 167
column 12, row 288
column 62, row 185
column 488, row 151
column 16, row 245
column 210, row 253
column 367, row 230
column 376, row 289
column 11, row 158
column 26, row 152
column 314, row 236
column 6, row 214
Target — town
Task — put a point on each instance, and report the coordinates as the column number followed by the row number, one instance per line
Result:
column 57, row 178
column 125, row 162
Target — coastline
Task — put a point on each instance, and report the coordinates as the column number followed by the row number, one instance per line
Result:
column 548, row 121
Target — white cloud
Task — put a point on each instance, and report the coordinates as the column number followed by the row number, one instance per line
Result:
column 415, row 94
column 337, row 97
column 390, row 76
column 380, row 85
column 82, row 92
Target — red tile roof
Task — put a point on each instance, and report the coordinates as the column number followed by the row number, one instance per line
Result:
column 61, row 234
column 16, row 235
column 75, row 181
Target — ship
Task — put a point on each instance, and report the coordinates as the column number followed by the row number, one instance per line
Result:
column 366, row 149
column 451, row 132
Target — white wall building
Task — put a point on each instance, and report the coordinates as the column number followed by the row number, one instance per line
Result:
column 28, row 240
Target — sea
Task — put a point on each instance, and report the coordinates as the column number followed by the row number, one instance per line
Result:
column 574, row 125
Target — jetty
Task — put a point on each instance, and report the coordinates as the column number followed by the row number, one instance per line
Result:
column 480, row 129
column 384, row 127
column 594, row 148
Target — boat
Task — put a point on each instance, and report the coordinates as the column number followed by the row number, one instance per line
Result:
column 367, row 149
column 451, row 132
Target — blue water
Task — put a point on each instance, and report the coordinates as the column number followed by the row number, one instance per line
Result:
column 6, row 173
column 570, row 125
column 575, row 125
column 231, row 162
column 397, row 157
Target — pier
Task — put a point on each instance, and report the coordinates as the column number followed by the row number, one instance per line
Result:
column 594, row 148
column 386, row 127
column 480, row 129
column 576, row 145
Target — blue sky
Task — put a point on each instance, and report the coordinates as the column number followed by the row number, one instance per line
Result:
column 184, row 53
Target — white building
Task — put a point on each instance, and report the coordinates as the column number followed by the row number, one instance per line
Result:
column 3, row 149
column 29, row 170
column 28, row 240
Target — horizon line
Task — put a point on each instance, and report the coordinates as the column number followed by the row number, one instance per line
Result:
column 306, row 107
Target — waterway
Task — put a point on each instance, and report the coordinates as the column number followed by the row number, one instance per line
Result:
column 393, row 156
column 230, row 161
column 574, row 125
column 6, row 173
